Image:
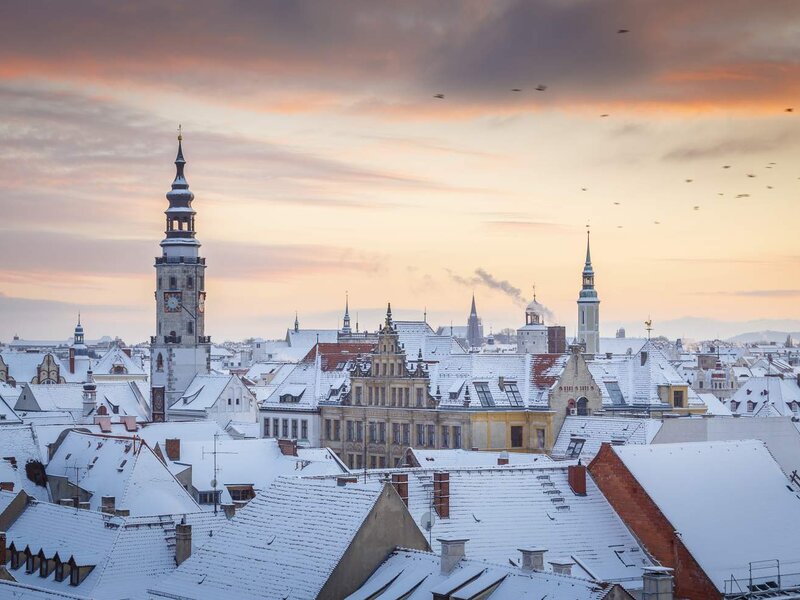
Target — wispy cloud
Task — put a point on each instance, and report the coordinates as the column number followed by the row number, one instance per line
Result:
column 756, row 293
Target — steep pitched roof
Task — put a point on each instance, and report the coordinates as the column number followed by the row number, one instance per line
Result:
column 596, row 430
column 18, row 447
column 202, row 393
column 724, row 479
column 446, row 459
column 284, row 544
column 116, row 357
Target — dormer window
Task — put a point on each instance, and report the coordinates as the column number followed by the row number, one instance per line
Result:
column 575, row 447
column 751, row 406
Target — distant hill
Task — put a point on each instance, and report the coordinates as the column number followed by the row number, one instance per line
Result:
column 767, row 336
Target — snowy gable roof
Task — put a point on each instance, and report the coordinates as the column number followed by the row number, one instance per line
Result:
column 7, row 414
column 766, row 397
column 202, row 393
column 416, row 575
column 284, row 544
column 116, row 359
column 333, row 357
column 17, row 448
column 596, row 430
column 501, row 509
column 123, row 468
column 23, row 366
column 724, row 478
column 119, row 398
column 20, row 591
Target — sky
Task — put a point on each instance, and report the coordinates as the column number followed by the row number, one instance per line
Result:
column 322, row 164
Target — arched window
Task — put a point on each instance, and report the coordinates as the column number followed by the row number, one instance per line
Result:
column 583, row 407
column 159, row 362
column 189, row 327
column 190, row 283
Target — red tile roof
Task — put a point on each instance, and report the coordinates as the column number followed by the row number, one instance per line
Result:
column 333, row 354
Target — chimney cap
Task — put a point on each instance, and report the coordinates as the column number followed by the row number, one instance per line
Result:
column 452, row 540
column 658, row 570
column 561, row 561
column 532, row 549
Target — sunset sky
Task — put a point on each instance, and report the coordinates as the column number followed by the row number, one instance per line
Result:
column 321, row 162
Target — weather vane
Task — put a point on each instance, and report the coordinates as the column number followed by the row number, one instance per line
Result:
column 180, row 132
column 649, row 326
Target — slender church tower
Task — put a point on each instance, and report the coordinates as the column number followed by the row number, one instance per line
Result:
column 474, row 327
column 180, row 349
column 589, row 308
column 346, row 329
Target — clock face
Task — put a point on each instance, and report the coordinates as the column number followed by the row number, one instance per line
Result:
column 172, row 301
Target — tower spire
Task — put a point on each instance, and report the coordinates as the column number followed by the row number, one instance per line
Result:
column 588, row 251
column 180, row 233
column 346, row 320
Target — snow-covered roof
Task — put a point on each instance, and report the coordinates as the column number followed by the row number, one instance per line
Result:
column 111, row 466
column 766, row 397
column 621, row 345
column 416, row 575
column 713, row 405
column 596, row 430
column 447, row 459
column 501, row 509
column 284, row 544
column 119, row 398
column 255, row 462
column 202, row 393
column 740, row 508
column 116, row 359
column 21, row 591
column 269, row 372
column 19, row 442
column 23, row 366
column 418, row 335
column 126, row 553
column 7, row 414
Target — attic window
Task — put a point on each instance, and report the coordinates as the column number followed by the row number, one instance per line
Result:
column 484, row 395
column 574, row 448
column 512, row 392
column 751, row 406
column 122, row 465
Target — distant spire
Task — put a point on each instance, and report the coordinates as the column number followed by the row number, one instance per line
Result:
column 588, row 251
column 473, row 310
column 389, row 314
column 346, row 321
column 79, row 318
column 296, row 322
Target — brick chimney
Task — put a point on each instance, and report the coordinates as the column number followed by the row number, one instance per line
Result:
column 104, row 423
column 502, row 459
column 72, row 360
column 453, row 551
column 288, row 447
column 657, row 583
column 108, row 505
column 229, row 510
column 183, row 542
column 7, row 486
column 3, row 554
column 562, row 566
column 129, row 421
column 576, row 475
column 173, row 448
column 441, row 494
column 532, row 559
column 400, row 484
column 343, row 480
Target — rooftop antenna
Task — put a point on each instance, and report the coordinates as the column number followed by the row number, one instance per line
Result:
column 214, row 480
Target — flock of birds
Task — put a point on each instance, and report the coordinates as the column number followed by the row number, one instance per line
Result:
column 543, row 88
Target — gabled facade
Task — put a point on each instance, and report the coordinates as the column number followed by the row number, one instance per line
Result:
column 223, row 398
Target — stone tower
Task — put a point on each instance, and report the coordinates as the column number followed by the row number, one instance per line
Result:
column 589, row 308
column 180, row 349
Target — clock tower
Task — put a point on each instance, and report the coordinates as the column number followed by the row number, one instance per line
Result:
column 180, row 349
column 589, row 307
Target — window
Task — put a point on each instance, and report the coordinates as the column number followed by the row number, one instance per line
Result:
column 512, row 392
column 358, row 395
column 285, row 428
column 359, row 431
column 583, row 407
column 190, row 283
column 337, row 430
column 383, row 396
column 445, row 436
column 370, row 398
column 359, row 461
column 238, row 400
column 457, row 436
column 328, row 429
column 677, row 398
column 274, row 427
column 229, row 401
column 751, row 406
column 431, row 436
column 159, row 362
column 540, row 439
column 241, row 494
column 394, row 396
column 420, row 435
column 382, row 433
column 406, row 434
column 382, row 462
column 208, row 497
column 419, row 397
column 173, row 282
column 574, row 448
column 484, row 395
column 395, row 433
column 516, row 436
column 349, row 433
column 391, row 369
column 372, row 436
column 304, row 429
column 266, row 428
column 351, row 460
column 294, row 428
column 373, row 462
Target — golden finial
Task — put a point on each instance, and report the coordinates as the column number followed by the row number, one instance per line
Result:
column 180, row 133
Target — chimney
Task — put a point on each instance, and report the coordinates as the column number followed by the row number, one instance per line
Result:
column 576, row 475
column 104, row 423
column 108, row 505
column 452, row 552
column 7, row 486
column 173, row 448
column 503, row 458
column 657, row 583
column 72, row 360
column 343, row 480
column 123, row 512
column 562, row 566
column 288, row 447
column 441, row 494
column 129, row 421
column 3, row 555
column 84, row 505
column 400, row 485
column 183, row 542
column 67, row 502
column 532, row 559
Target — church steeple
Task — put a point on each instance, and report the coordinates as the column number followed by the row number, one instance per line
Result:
column 588, row 271
column 180, row 232
column 346, row 320
column 589, row 307
column 296, row 322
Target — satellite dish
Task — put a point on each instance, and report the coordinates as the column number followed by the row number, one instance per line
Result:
column 427, row 520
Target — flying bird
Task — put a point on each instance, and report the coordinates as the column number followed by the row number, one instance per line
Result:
column 789, row 110
column 616, row 203
column 769, row 187
column 726, row 166
column 541, row 88
column 623, row 30
column 742, row 195
column 619, row 226
column 477, row 520
column 516, row 90
column 604, row 115
column 689, row 180
column 583, row 189
column 439, row 96
column 750, row 175
column 697, row 208
column 720, row 194
column 657, row 222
